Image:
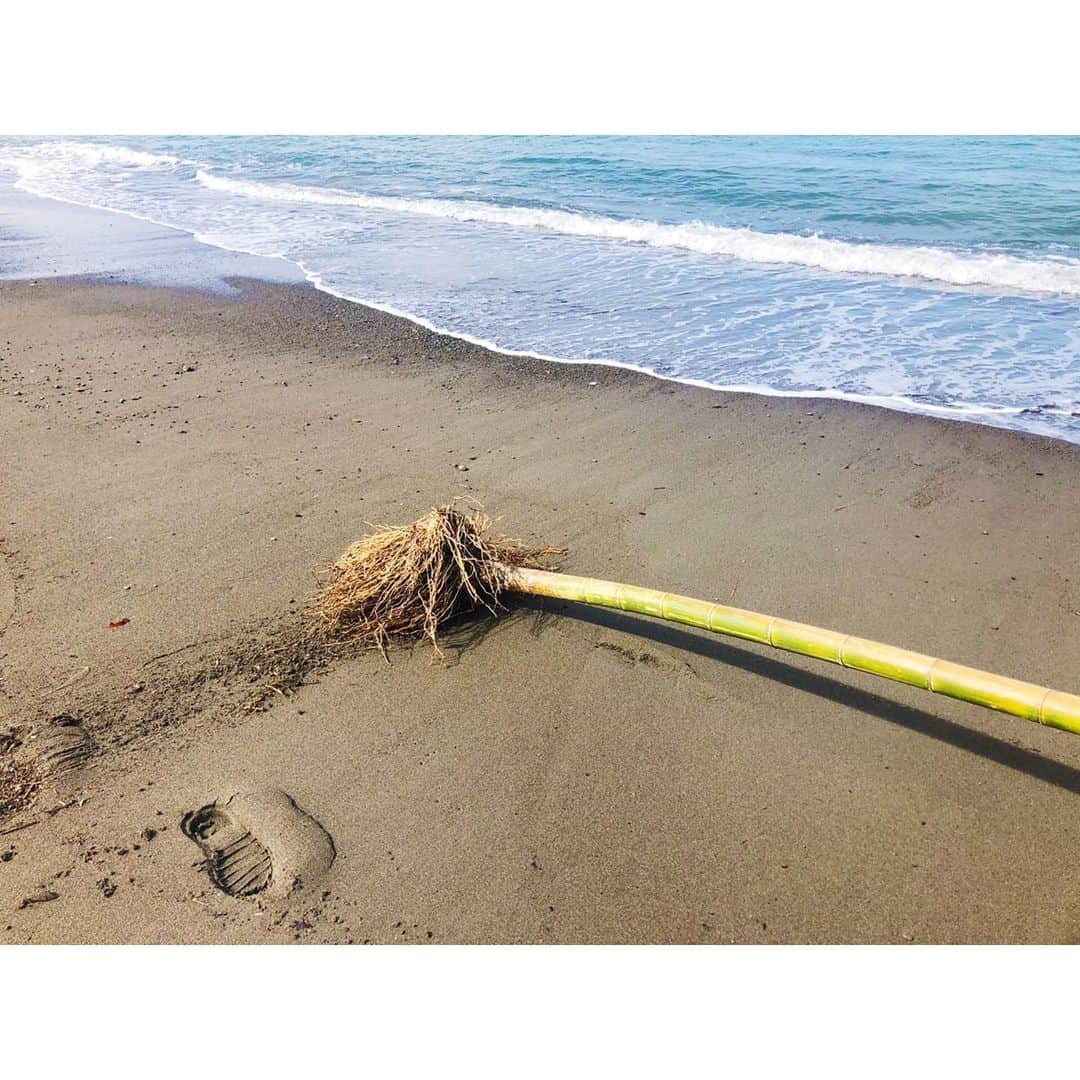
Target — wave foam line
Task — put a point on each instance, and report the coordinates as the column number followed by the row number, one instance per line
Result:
column 989, row 414
column 960, row 410
column 88, row 154
column 1007, row 272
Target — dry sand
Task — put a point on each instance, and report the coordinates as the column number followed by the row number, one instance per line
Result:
column 183, row 461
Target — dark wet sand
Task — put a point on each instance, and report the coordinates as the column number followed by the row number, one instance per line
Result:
column 184, row 461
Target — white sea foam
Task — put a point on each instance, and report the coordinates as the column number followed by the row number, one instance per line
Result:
column 1005, row 272
column 983, row 412
column 85, row 154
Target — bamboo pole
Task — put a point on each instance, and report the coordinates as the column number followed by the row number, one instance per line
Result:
column 1036, row 703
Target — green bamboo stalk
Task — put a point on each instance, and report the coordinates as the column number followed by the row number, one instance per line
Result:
column 1039, row 704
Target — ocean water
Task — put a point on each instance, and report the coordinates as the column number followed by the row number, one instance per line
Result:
column 938, row 275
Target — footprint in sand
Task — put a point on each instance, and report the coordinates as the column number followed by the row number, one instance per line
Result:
column 58, row 747
column 259, row 841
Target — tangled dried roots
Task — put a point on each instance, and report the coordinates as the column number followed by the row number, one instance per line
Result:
column 403, row 584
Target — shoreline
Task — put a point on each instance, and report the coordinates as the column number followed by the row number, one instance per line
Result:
column 184, row 459
column 221, row 262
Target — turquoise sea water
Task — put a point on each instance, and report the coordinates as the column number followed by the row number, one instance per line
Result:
column 940, row 275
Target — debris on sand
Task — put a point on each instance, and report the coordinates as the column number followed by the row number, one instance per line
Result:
column 19, row 782
column 42, row 896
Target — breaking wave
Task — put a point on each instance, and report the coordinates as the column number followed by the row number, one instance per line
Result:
column 1005, row 272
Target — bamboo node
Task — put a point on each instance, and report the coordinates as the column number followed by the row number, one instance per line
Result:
column 1042, row 706
column 930, row 676
column 840, row 653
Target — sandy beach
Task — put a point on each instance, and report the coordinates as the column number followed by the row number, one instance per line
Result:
column 176, row 464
